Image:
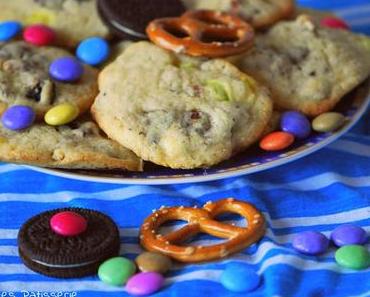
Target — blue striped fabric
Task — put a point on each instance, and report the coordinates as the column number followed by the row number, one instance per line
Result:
column 318, row 192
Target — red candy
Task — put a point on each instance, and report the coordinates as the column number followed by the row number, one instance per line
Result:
column 39, row 35
column 68, row 223
column 276, row 141
column 334, row 23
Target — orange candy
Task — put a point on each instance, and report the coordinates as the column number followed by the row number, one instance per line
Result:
column 276, row 141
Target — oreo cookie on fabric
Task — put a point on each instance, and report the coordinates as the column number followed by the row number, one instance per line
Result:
column 68, row 242
column 129, row 18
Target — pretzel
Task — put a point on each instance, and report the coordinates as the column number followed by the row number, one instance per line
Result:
column 202, row 33
column 202, row 220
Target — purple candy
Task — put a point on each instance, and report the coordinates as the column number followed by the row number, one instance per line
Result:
column 295, row 123
column 144, row 283
column 66, row 69
column 18, row 117
column 310, row 243
column 348, row 235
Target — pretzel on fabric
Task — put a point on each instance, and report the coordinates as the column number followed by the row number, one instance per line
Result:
column 204, row 33
column 202, row 220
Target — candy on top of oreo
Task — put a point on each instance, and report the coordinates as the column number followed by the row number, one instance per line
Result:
column 129, row 18
column 46, row 252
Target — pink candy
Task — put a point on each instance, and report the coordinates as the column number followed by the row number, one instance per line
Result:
column 68, row 223
column 144, row 283
column 39, row 35
column 334, row 23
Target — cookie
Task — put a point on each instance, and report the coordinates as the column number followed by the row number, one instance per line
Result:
column 260, row 13
column 25, row 79
column 129, row 19
column 73, row 20
column 81, row 145
column 45, row 249
column 178, row 111
column 315, row 15
column 273, row 124
column 307, row 67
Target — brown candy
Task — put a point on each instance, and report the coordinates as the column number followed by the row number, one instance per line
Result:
column 153, row 262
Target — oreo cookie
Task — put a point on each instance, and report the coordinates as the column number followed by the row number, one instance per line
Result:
column 50, row 245
column 129, row 18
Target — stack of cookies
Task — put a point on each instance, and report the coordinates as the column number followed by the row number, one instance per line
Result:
column 209, row 84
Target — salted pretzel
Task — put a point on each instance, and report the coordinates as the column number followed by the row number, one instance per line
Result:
column 202, row 220
column 202, row 33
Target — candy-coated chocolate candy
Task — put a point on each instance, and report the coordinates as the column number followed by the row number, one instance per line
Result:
column 334, row 23
column 328, row 122
column 39, row 35
column 238, row 277
column 68, row 223
column 144, row 283
column 9, row 29
column 153, row 262
column 18, row 117
column 353, row 257
column 276, row 141
column 61, row 114
column 348, row 234
column 66, row 69
column 93, row 51
column 296, row 123
column 116, row 271
column 310, row 243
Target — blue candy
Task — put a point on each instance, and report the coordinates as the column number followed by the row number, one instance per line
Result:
column 93, row 51
column 9, row 29
column 295, row 123
column 18, row 117
column 66, row 69
column 238, row 277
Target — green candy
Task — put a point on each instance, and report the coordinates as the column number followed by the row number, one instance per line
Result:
column 353, row 257
column 220, row 90
column 116, row 271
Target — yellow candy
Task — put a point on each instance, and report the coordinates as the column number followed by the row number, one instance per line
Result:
column 61, row 114
column 2, row 140
column 41, row 16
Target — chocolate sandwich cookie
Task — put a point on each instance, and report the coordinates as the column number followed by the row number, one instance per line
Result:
column 129, row 18
column 68, row 242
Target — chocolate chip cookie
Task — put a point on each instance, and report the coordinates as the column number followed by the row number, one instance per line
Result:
column 25, row 80
column 178, row 111
column 80, row 145
column 73, row 20
column 260, row 13
column 307, row 67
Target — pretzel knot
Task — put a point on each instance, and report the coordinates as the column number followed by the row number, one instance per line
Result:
column 202, row 221
column 202, row 33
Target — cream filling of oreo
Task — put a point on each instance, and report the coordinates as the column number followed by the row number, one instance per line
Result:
column 63, row 266
column 127, row 30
